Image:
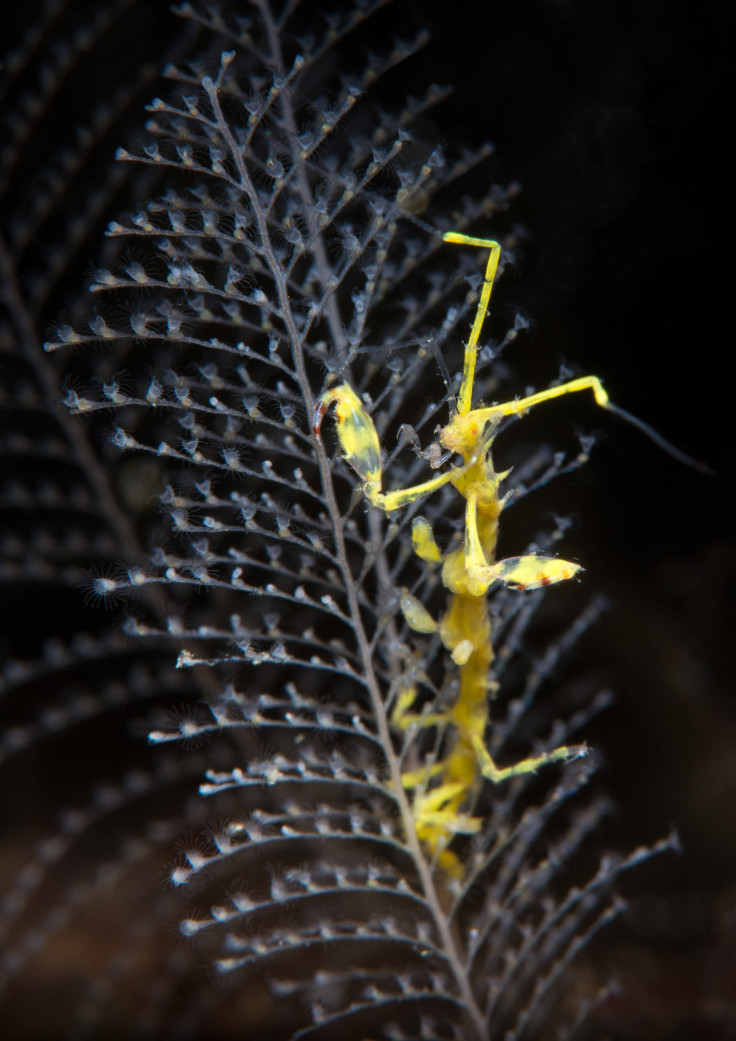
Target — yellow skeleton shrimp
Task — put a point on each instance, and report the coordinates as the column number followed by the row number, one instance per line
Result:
column 467, row 572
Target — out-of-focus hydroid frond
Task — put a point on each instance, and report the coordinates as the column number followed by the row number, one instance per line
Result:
column 88, row 814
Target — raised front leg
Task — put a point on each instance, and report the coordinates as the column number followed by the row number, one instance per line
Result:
column 358, row 438
column 465, row 398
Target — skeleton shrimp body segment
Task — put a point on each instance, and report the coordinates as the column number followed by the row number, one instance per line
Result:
column 465, row 630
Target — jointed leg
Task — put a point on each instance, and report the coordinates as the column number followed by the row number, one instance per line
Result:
column 526, row 766
column 465, row 398
column 471, row 350
column 480, row 573
column 359, row 441
column 389, row 501
column 513, row 408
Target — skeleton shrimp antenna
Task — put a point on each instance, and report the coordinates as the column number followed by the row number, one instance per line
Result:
column 661, row 442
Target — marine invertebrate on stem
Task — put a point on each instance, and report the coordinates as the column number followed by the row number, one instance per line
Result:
column 275, row 245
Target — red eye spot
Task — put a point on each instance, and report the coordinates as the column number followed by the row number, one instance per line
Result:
column 544, row 580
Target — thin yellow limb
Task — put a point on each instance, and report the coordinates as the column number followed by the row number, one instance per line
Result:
column 411, row 719
column 402, row 717
column 389, row 501
column 403, row 704
column 446, row 821
column 480, row 574
column 526, row 766
column 527, row 572
column 465, row 398
column 513, row 408
column 415, row 778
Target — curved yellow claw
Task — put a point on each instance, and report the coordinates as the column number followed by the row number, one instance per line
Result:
column 357, row 435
